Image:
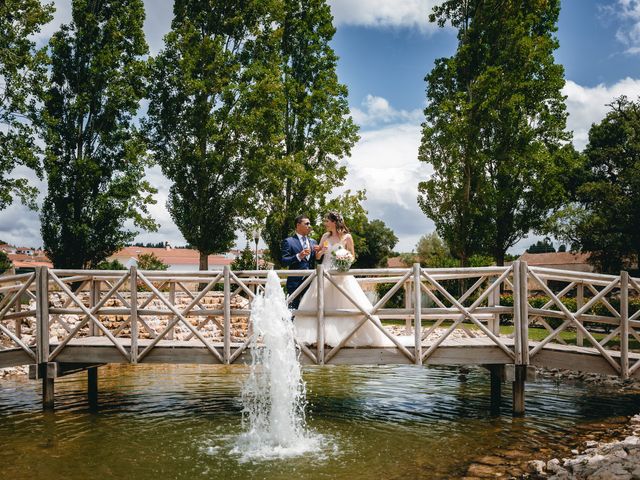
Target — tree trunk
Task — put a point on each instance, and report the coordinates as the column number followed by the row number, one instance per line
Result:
column 204, row 261
column 499, row 258
column 204, row 265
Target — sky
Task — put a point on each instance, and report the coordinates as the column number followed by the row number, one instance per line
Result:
column 385, row 49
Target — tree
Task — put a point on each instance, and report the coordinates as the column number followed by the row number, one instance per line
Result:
column 110, row 265
column 452, row 196
column 349, row 205
column 22, row 70
column 245, row 261
column 5, row 262
column 94, row 158
column 315, row 125
column 150, row 261
column 605, row 216
column 542, row 246
column 431, row 251
column 209, row 123
column 504, row 150
column 379, row 241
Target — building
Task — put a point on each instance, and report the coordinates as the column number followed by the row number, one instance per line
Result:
column 395, row 262
column 26, row 259
column 577, row 262
column 181, row 259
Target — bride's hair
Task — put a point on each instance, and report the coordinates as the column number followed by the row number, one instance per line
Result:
column 336, row 218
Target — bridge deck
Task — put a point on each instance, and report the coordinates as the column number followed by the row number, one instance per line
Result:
column 452, row 351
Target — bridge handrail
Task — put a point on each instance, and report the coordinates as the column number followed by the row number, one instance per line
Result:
column 94, row 295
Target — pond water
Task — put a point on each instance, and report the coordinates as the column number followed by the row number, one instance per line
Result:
column 391, row 422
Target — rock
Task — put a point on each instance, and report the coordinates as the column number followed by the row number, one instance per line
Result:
column 490, row 460
column 553, row 465
column 632, row 440
column 536, row 466
column 613, row 471
column 482, row 471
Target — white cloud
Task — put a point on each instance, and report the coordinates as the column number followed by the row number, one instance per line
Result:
column 627, row 13
column 384, row 13
column 588, row 105
column 377, row 110
column 384, row 163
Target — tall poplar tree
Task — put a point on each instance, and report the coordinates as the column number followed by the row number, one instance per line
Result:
column 94, row 159
column 316, row 128
column 211, row 120
column 22, row 71
column 511, row 123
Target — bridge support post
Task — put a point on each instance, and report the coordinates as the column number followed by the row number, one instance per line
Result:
column 497, row 376
column 518, row 390
column 48, row 375
column 92, row 387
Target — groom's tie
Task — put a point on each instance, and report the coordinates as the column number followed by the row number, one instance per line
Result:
column 305, row 244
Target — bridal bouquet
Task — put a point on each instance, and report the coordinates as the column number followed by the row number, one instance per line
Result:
column 342, row 259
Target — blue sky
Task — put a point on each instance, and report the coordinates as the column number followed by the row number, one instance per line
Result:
column 386, row 47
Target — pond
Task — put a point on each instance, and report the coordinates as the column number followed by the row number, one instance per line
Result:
column 390, row 422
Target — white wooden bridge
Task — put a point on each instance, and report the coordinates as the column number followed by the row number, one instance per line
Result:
column 65, row 321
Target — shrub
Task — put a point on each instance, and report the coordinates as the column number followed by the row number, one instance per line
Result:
column 110, row 265
column 396, row 300
column 5, row 262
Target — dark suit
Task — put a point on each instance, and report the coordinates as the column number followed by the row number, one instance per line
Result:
column 291, row 246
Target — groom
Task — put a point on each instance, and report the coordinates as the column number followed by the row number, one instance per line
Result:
column 298, row 253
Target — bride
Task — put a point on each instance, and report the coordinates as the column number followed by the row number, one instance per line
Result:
column 336, row 328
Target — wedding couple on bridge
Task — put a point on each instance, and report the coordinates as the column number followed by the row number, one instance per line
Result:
column 300, row 252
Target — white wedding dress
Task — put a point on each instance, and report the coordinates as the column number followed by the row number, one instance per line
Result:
column 336, row 328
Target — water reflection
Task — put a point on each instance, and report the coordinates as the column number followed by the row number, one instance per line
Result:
column 385, row 422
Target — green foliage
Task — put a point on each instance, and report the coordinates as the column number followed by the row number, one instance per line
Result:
column 379, row 241
column 94, row 158
column 313, row 122
column 150, row 261
column 373, row 240
column 600, row 309
column 22, row 70
column 396, row 300
column 210, row 120
column 152, row 245
column 246, row 260
column 110, row 265
column 495, row 127
column 431, row 251
column 542, row 246
column 408, row 259
column 605, row 216
column 479, row 260
column 349, row 205
column 5, row 262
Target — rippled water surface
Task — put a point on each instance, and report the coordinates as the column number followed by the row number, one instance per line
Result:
column 377, row 422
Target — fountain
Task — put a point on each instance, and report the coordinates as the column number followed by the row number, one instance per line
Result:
column 274, row 395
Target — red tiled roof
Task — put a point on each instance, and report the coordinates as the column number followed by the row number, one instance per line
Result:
column 173, row 256
column 555, row 258
column 31, row 264
column 395, row 262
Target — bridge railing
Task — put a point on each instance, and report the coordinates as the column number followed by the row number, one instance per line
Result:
column 134, row 311
column 595, row 308
column 18, row 319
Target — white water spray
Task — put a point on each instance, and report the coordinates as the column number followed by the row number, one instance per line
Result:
column 274, row 395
